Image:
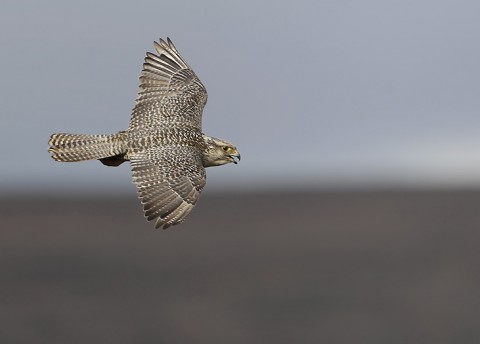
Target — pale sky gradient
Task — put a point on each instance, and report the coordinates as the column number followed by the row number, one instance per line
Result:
column 313, row 93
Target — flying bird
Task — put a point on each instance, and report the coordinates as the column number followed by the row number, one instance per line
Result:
column 164, row 142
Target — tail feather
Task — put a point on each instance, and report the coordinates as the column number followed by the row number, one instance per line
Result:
column 78, row 147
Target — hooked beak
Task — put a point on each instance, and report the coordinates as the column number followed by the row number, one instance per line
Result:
column 233, row 156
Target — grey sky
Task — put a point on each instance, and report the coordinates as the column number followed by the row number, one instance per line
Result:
column 318, row 93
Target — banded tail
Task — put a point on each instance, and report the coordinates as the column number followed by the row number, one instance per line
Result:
column 109, row 149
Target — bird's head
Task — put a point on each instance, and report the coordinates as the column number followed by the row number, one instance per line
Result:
column 219, row 152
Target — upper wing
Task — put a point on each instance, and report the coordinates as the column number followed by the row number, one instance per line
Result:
column 170, row 92
column 169, row 182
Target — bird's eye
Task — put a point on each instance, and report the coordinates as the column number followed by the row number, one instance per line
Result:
column 225, row 148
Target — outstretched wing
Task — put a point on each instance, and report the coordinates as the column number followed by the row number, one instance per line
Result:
column 170, row 92
column 169, row 181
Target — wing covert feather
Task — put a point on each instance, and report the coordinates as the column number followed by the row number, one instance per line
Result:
column 169, row 181
column 168, row 88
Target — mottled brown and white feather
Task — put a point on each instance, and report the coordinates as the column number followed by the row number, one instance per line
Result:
column 79, row 147
column 170, row 92
column 164, row 141
column 169, row 181
column 168, row 171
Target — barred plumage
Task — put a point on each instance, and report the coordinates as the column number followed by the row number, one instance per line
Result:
column 80, row 147
column 164, row 141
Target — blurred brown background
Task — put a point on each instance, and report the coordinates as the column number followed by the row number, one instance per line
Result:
column 326, row 267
